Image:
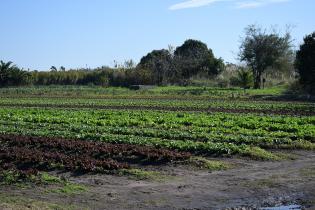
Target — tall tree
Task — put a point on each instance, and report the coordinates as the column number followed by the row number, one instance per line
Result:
column 261, row 50
column 62, row 68
column 5, row 68
column 12, row 75
column 129, row 64
column 305, row 63
column 53, row 68
column 159, row 62
column 194, row 57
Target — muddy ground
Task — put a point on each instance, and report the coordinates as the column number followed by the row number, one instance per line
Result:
column 251, row 184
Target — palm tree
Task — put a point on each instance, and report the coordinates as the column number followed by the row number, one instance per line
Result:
column 245, row 78
column 5, row 69
column 12, row 75
column 53, row 68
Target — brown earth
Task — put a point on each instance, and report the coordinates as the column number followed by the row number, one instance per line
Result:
column 251, row 184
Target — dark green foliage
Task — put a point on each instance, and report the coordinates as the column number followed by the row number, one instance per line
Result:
column 194, row 57
column 100, row 77
column 243, row 79
column 53, row 68
column 11, row 75
column 190, row 59
column 261, row 51
column 159, row 62
column 159, row 67
column 305, row 63
column 72, row 77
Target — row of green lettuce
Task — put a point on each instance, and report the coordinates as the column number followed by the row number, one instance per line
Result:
column 161, row 103
column 201, row 133
column 95, row 91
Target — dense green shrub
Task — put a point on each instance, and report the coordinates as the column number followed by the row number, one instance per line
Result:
column 243, row 79
column 11, row 75
column 305, row 63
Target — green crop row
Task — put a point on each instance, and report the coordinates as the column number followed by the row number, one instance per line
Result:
column 215, row 137
column 168, row 103
column 92, row 91
column 218, row 133
column 194, row 122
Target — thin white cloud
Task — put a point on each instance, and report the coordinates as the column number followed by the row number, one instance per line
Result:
column 256, row 3
column 192, row 4
column 239, row 4
column 248, row 4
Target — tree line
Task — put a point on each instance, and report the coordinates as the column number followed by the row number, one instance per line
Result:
column 260, row 51
column 159, row 67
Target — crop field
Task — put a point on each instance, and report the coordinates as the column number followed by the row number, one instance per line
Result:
column 119, row 131
column 204, row 126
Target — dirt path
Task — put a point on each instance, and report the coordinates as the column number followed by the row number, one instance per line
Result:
column 249, row 184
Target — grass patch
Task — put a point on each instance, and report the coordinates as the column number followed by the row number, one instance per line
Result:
column 11, row 177
column 257, row 153
column 286, row 156
column 64, row 186
column 140, row 174
column 22, row 203
column 299, row 144
column 212, row 165
column 8, row 177
column 50, row 179
column 70, row 189
column 14, row 178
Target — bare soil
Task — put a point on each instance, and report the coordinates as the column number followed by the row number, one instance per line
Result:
column 249, row 184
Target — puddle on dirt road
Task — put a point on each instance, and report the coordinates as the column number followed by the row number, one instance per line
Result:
column 290, row 207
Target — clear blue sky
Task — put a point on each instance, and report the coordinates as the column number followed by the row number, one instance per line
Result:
column 37, row 34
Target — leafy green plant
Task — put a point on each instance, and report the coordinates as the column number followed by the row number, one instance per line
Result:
column 244, row 78
column 70, row 189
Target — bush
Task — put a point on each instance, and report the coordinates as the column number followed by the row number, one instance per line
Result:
column 305, row 63
column 243, row 79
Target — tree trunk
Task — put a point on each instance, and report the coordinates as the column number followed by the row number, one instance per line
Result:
column 257, row 80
